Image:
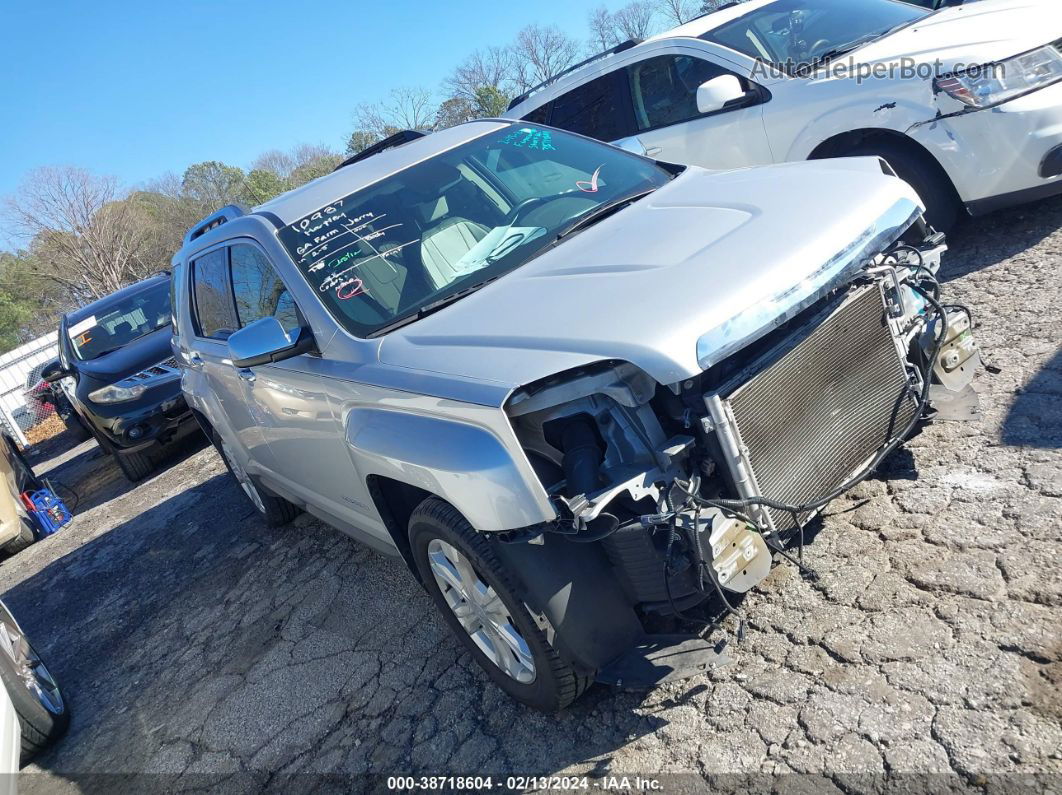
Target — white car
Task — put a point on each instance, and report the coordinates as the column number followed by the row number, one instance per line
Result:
column 965, row 103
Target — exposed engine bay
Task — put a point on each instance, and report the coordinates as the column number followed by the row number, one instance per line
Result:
column 695, row 489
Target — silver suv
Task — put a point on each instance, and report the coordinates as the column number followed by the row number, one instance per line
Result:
column 575, row 389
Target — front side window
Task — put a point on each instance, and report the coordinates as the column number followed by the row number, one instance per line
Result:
column 457, row 220
column 664, row 88
column 594, row 109
column 116, row 325
column 215, row 314
column 795, row 33
column 258, row 291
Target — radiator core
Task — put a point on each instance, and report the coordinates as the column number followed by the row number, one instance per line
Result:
column 815, row 415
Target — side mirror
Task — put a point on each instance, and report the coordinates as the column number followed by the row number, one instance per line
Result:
column 53, row 372
column 719, row 92
column 632, row 144
column 265, row 341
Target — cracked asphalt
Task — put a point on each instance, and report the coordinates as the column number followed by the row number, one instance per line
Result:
column 194, row 642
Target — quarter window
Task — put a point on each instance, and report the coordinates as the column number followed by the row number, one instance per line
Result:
column 215, row 314
column 664, row 89
column 595, row 109
column 258, row 290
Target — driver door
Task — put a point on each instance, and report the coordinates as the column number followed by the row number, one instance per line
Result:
column 290, row 401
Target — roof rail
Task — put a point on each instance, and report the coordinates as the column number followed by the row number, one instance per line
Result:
column 711, row 11
column 623, row 45
column 227, row 213
column 390, row 142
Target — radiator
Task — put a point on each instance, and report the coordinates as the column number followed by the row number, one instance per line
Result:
column 820, row 411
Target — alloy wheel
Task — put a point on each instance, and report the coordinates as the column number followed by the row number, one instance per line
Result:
column 481, row 611
column 29, row 668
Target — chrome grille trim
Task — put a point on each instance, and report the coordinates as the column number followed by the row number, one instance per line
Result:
column 163, row 371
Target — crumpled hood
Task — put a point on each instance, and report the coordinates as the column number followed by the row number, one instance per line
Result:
column 971, row 34
column 130, row 359
column 711, row 256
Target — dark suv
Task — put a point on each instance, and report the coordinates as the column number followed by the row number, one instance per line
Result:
column 128, row 387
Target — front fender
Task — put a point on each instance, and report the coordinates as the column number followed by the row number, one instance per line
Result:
column 895, row 107
column 467, row 465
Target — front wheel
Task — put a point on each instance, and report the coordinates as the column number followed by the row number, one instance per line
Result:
column 922, row 173
column 135, row 466
column 477, row 598
column 43, row 715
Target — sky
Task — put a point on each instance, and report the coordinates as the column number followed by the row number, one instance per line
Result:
column 137, row 89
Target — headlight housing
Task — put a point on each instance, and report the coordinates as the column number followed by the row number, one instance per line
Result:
column 116, row 394
column 993, row 84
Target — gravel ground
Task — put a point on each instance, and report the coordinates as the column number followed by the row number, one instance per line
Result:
column 194, row 642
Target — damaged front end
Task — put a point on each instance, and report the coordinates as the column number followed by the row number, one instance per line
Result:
column 681, row 492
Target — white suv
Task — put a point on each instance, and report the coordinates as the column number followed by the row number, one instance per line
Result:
column 779, row 80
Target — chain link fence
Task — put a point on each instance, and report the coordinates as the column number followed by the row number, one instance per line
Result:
column 27, row 405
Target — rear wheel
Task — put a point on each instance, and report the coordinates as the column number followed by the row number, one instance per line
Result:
column 477, row 598
column 27, row 534
column 43, row 715
column 922, row 173
column 275, row 511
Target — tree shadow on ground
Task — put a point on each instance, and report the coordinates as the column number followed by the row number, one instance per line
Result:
column 1035, row 417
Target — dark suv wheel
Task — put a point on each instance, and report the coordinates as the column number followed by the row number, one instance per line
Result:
column 477, row 598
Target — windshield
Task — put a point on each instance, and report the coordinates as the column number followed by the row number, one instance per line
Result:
column 794, row 33
column 457, row 220
column 120, row 323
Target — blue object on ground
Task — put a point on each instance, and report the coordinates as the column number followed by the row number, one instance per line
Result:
column 50, row 513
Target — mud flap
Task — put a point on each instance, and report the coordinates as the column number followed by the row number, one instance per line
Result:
column 663, row 658
column 572, row 593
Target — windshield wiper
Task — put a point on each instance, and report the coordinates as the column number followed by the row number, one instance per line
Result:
column 429, row 309
column 844, row 49
column 600, row 213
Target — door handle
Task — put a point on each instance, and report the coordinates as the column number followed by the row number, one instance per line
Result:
column 246, row 374
column 194, row 359
column 652, row 151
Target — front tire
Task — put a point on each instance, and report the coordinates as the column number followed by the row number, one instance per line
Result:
column 43, row 714
column 478, row 599
column 275, row 511
column 922, row 173
column 135, row 466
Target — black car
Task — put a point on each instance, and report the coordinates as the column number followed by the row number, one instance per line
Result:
column 128, row 386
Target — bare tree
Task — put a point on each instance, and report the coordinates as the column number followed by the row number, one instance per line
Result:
column 635, row 20
column 677, row 12
column 602, row 30
column 404, row 109
column 83, row 232
column 542, row 52
column 493, row 67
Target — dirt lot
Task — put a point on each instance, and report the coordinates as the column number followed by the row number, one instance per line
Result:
column 193, row 641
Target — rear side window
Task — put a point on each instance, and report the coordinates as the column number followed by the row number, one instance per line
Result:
column 664, row 89
column 539, row 115
column 258, row 290
column 596, row 109
column 215, row 315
